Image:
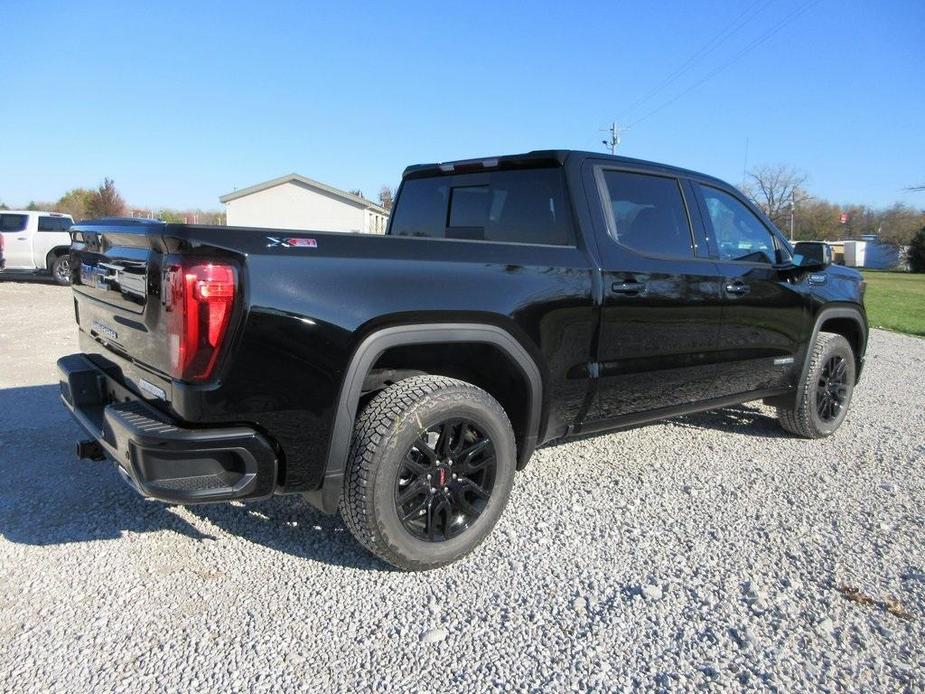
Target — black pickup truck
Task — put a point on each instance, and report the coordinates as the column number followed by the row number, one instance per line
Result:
column 403, row 379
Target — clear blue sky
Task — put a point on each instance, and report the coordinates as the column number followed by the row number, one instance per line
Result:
column 182, row 102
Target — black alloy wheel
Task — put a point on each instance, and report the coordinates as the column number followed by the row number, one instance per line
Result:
column 61, row 270
column 832, row 389
column 445, row 480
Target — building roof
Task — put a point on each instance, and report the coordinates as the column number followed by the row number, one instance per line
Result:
column 306, row 181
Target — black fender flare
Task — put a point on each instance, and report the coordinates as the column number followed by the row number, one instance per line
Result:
column 327, row 496
column 826, row 314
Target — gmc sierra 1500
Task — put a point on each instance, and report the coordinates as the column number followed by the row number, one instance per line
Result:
column 404, row 378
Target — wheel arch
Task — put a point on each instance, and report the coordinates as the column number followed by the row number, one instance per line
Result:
column 378, row 343
column 54, row 254
column 846, row 321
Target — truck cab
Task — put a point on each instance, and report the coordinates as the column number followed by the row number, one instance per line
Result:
column 37, row 242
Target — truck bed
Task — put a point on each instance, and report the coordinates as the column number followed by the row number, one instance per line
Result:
column 305, row 301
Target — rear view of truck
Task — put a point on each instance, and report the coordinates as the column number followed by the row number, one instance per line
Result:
column 155, row 315
column 232, row 363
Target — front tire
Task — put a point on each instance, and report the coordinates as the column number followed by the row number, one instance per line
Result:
column 824, row 395
column 430, row 471
column 61, row 270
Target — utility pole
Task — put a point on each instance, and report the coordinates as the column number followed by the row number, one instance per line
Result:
column 614, row 140
column 793, row 210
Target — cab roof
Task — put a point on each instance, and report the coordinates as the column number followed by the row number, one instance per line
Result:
column 45, row 212
column 541, row 157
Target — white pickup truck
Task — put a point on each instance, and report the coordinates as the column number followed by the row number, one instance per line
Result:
column 36, row 243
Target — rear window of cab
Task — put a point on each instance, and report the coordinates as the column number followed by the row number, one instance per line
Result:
column 519, row 206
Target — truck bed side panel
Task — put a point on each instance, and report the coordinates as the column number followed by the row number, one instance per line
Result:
column 307, row 315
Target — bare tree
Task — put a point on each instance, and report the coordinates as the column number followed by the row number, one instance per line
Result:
column 386, row 197
column 106, row 201
column 774, row 188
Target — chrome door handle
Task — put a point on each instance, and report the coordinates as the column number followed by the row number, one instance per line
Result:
column 627, row 287
column 738, row 287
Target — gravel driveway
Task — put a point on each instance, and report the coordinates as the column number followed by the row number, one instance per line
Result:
column 708, row 550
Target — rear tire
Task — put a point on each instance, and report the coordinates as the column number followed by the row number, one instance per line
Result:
column 430, row 471
column 61, row 270
column 824, row 395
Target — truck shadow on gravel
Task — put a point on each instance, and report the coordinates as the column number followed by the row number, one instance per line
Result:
column 748, row 420
column 288, row 524
column 27, row 278
column 49, row 497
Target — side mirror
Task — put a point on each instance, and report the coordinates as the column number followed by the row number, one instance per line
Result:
column 812, row 255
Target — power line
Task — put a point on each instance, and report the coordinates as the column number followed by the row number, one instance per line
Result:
column 754, row 44
column 724, row 34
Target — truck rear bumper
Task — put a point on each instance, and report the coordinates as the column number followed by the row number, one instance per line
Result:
column 157, row 457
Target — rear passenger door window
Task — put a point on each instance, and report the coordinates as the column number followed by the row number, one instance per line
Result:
column 739, row 234
column 647, row 214
column 54, row 223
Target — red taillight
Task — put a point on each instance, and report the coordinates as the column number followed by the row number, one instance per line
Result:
column 198, row 300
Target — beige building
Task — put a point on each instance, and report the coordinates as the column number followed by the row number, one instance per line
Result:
column 298, row 202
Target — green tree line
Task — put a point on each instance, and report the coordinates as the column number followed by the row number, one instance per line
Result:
column 106, row 201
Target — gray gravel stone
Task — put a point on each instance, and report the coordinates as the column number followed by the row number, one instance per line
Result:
column 102, row 591
column 434, row 635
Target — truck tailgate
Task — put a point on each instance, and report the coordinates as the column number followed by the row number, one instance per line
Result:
column 117, row 286
column 160, row 301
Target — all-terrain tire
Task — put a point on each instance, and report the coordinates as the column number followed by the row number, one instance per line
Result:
column 393, row 422
column 804, row 417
